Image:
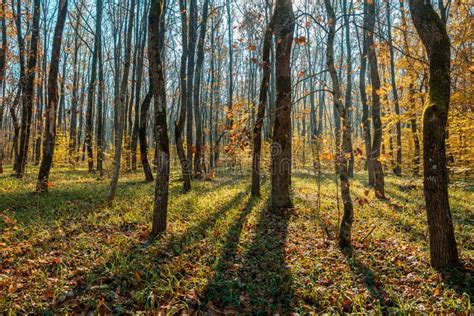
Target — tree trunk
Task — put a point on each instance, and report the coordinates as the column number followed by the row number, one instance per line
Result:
column 179, row 126
column 90, row 96
column 198, row 156
column 192, row 36
column 51, row 106
column 432, row 32
column 27, row 98
column 155, row 55
column 348, row 96
column 3, row 54
column 142, row 136
column 374, row 75
column 284, row 25
column 257, row 130
column 398, row 163
column 365, row 105
column 342, row 163
column 120, row 107
column 100, row 95
column 411, row 94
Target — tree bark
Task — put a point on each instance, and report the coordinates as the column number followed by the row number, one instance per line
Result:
column 432, row 31
column 284, row 26
column 27, row 97
column 100, row 95
column 179, row 126
column 379, row 184
column 365, row 105
column 198, row 156
column 142, row 136
column 345, row 230
column 257, row 130
column 51, row 106
column 120, row 107
column 398, row 163
column 155, row 55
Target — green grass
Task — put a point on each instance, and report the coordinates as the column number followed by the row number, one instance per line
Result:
column 68, row 251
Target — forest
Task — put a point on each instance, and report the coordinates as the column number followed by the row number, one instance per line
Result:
column 211, row 157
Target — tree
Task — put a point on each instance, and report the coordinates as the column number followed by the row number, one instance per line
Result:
column 198, row 156
column 432, row 32
column 365, row 105
column 3, row 55
column 100, row 94
column 27, row 97
column 120, row 107
column 262, row 103
column 179, row 126
column 398, row 164
column 374, row 75
column 142, row 136
column 342, row 163
column 51, row 106
column 284, row 25
column 155, row 54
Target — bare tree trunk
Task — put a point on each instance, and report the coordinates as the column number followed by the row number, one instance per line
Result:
column 90, row 96
column 51, row 106
column 345, row 231
column 432, row 31
column 412, row 101
column 100, row 95
column 155, row 55
column 136, row 123
column 3, row 51
column 284, row 26
column 398, row 164
column 365, row 105
column 348, row 96
column 179, row 126
column 192, row 35
column 27, row 98
column 142, row 136
column 198, row 156
column 257, row 130
column 374, row 75
column 120, row 107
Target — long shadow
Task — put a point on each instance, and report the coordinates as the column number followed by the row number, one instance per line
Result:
column 370, row 279
column 145, row 259
column 261, row 283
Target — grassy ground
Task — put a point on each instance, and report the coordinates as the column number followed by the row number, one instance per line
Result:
column 69, row 251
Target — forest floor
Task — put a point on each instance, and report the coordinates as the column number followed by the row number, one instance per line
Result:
column 68, row 251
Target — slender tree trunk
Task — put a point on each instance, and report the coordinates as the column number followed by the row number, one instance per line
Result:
column 155, row 56
column 100, row 95
column 365, row 105
column 345, row 231
column 190, row 74
column 120, row 107
column 257, row 130
column 398, row 164
column 198, row 156
column 374, row 75
column 142, row 136
column 432, row 31
column 51, row 106
column 412, row 100
column 27, row 98
column 284, row 26
column 179, row 126
column 348, row 96
column 90, row 95
column 136, row 123
column 3, row 54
